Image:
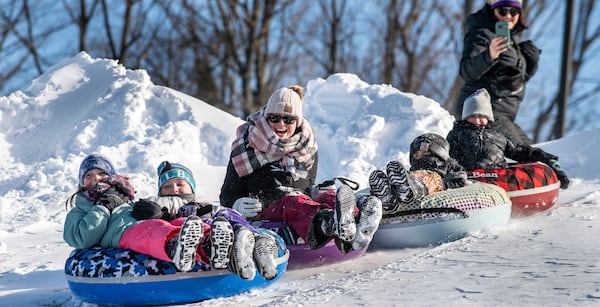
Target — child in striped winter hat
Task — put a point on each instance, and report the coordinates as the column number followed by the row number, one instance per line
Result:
column 175, row 179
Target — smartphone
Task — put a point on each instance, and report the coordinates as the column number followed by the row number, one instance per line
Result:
column 503, row 30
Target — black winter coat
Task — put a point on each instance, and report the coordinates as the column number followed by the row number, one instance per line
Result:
column 505, row 77
column 269, row 183
column 485, row 147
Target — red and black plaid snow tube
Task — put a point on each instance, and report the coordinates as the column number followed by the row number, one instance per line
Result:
column 532, row 187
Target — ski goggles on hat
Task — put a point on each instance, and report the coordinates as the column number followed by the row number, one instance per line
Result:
column 275, row 118
column 505, row 10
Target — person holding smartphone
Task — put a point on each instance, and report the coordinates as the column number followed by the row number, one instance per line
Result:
column 495, row 58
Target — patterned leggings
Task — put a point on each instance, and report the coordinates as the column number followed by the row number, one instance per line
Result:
column 431, row 180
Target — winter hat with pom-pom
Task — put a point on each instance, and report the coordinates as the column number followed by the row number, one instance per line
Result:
column 95, row 161
column 286, row 101
column 478, row 103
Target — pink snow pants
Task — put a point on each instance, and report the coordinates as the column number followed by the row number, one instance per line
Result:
column 151, row 236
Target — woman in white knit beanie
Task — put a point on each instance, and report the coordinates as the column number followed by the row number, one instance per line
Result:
column 272, row 169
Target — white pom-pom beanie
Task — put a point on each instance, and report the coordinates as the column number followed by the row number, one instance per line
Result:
column 285, row 101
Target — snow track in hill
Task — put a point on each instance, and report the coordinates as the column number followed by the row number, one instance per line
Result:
column 523, row 262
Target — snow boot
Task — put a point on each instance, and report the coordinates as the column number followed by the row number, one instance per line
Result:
column 190, row 235
column 320, row 230
column 402, row 186
column 221, row 237
column 265, row 255
column 370, row 216
column 325, row 222
column 381, row 188
column 344, row 223
column 242, row 261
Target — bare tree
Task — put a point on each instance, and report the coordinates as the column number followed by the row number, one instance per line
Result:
column 180, row 55
column 82, row 17
column 26, row 29
column 419, row 46
column 10, row 14
column 26, row 35
column 392, row 35
column 242, row 30
column 329, row 36
column 129, row 34
column 586, row 40
column 28, row 38
column 234, row 53
column 453, row 90
column 221, row 51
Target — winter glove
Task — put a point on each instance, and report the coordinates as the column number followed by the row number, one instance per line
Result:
column 454, row 180
column 117, row 182
column 562, row 176
column 532, row 56
column 122, row 185
column 111, row 199
column 145, row 209
column 537, row 154
column 248, row 207
column 194, row 208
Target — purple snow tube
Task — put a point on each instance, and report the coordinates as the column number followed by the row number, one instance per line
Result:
column 301, row 256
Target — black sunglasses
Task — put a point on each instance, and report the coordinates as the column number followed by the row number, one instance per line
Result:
column 503, row 11
column 286, row 119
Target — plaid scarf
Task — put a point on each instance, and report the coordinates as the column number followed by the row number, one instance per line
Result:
column 256, row 145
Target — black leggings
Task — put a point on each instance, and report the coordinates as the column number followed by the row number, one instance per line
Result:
column 511, row 130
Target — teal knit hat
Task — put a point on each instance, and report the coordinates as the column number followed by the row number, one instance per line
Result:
column 167, row 171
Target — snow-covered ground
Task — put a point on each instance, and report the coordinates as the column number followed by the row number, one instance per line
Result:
column 84, row 105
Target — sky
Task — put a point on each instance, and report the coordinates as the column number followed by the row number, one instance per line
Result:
column 83, row 105
column 546, row 31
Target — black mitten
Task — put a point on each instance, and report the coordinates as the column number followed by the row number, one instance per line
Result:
column 562, row 176
column 194, row 208
column 454, row 180
column 145, row 209
column 564, row 180
column 532, row 56
column 188, row 209
column 111, row 199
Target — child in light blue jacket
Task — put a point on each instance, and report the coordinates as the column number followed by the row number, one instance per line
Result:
column 101, row 215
